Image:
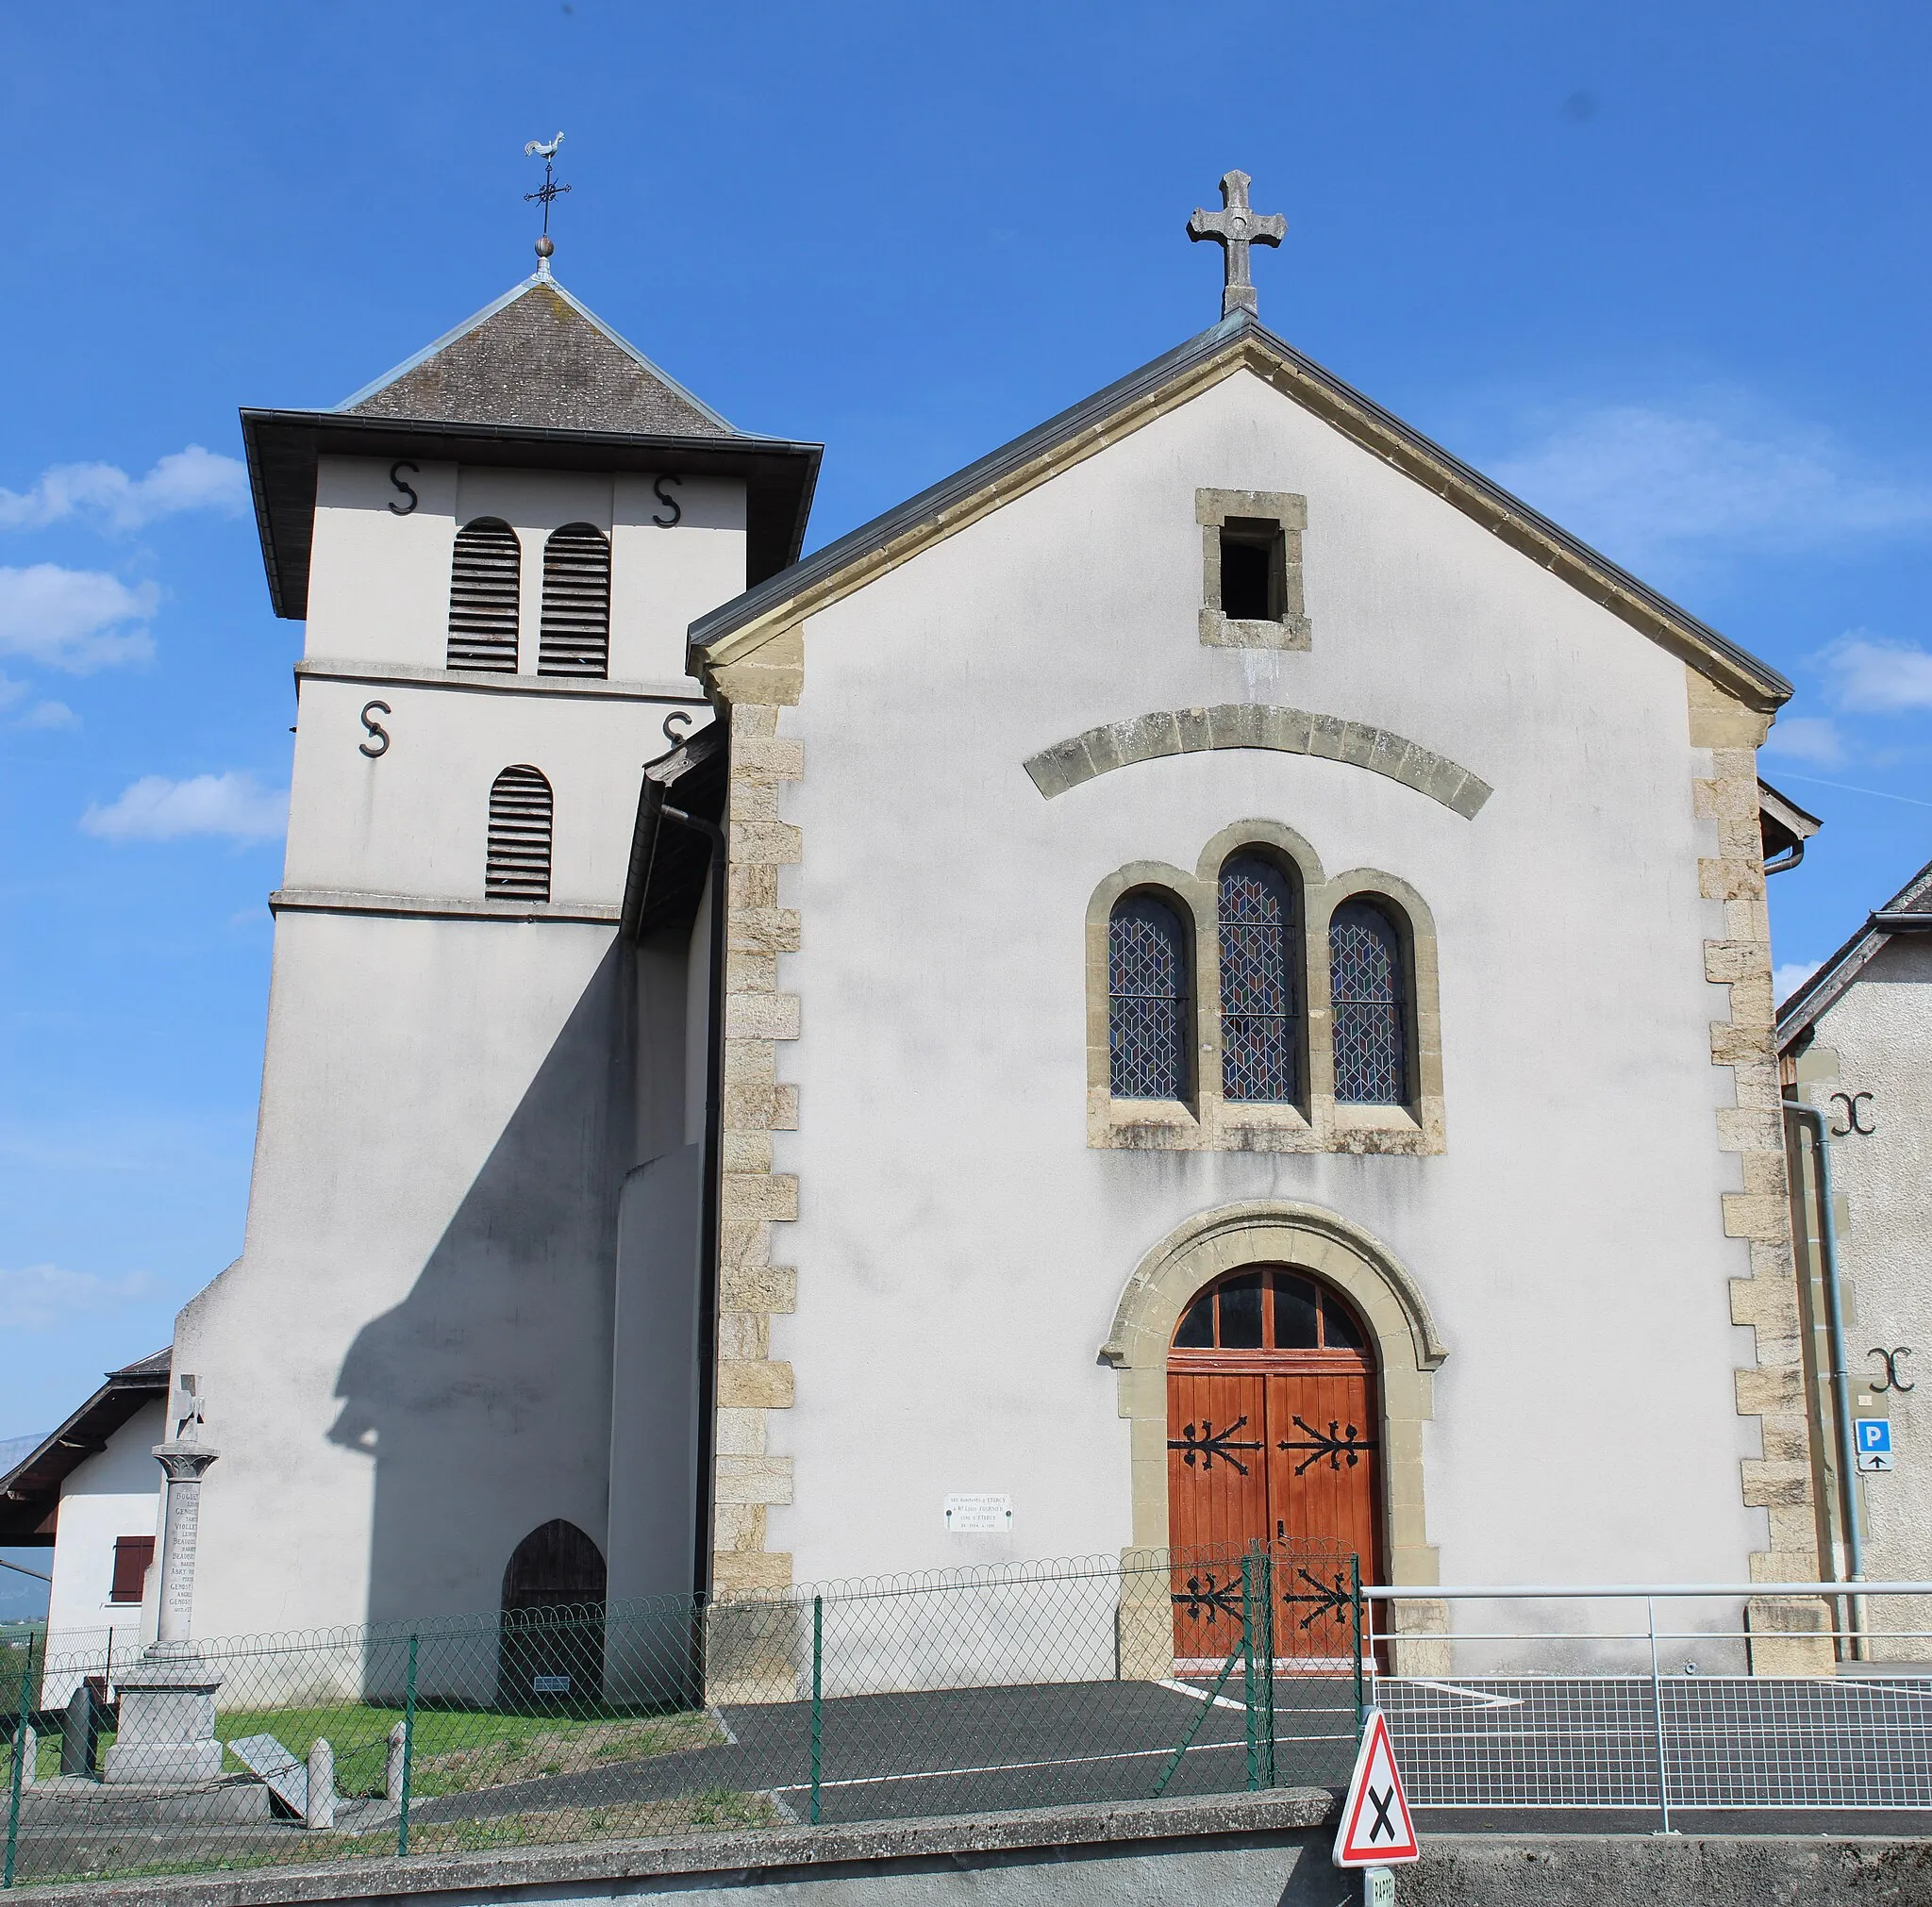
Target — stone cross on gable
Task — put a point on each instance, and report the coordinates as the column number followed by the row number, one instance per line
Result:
column 1233, row 228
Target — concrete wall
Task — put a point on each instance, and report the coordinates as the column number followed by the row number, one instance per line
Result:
column 1876, row 1039
column 1248, row 1851
column 961, row 1249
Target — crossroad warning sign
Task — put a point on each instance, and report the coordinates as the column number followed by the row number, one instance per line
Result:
column 1376, row 1829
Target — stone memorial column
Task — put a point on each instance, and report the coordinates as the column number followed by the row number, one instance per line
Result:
column 167, row 1734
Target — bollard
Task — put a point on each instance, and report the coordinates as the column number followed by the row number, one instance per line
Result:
column 408, row 1755
column 319, row 1810
column 80, row 1732
column 393, row 1767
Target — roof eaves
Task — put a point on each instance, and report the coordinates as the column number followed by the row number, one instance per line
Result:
column 65, row 1445
column 874, row 545
column 1826, row 986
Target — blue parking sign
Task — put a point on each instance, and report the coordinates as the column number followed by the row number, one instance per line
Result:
column 1874, row 1434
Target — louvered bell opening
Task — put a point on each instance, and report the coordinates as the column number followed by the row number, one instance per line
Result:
column 483, row 598
column 576, row 602
column 518, row 865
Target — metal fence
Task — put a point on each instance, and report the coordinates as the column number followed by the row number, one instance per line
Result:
column 1097, row 1679
column 1659, row 1700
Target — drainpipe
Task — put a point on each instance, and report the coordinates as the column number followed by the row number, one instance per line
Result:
column 714, row 1148
column 1841, row 1374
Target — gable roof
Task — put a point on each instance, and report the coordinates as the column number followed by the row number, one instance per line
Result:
column 1239, row 343
column 1908, row 911
column 30, row 1491
column 538, row 357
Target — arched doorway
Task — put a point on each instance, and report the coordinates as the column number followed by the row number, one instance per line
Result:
column 1273, row 1419
column 550, row 1652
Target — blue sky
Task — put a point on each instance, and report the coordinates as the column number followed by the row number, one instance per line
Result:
column 1661, row 267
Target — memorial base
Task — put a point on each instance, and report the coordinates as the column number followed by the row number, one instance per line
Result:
column 167, row 1732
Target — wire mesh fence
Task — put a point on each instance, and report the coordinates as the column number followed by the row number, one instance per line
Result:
column 1093, row 1679
column 1817, row 1703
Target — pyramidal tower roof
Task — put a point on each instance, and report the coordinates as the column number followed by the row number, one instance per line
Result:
column 539, row 359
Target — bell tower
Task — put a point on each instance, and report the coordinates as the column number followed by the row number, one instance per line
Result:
column 495, row 549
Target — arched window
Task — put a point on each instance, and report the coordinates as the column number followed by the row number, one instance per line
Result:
column 550, row 1647
column 575, row 637
column 1260, row 950
column 1369, row 985
column 1271, row 1309
column 483, row 597
column 517, row 867
column 1147, row 999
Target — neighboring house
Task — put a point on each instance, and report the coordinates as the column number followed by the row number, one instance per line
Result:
column 1855, row 1041
column 89, row 1497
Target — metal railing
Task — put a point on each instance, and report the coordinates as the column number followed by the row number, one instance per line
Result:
column 1013, row 1687
column 1753, row 1703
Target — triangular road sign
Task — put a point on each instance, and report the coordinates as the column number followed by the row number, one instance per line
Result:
column 1376, row 1829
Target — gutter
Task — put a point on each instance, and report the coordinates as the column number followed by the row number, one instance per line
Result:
column 708, row 1241
column 1841, row 1374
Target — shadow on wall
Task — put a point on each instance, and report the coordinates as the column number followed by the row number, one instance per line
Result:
column 484, row 1399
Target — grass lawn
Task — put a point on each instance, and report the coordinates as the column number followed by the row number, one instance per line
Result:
column 455, row 1751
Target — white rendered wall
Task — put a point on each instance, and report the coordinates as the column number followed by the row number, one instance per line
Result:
column 961, row 1251
column 412, row 1362
column 379, row 582
column 1880, row 1031
column 114, row 1493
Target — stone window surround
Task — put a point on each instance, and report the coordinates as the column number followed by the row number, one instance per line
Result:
column 1213, row 510
column 1207, row 1122
column 1408, row 1350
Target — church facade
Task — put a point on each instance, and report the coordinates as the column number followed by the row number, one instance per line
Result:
column 1205, row 978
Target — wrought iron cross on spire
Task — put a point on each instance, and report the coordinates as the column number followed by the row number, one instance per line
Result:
column 546, row 193
column 1233, row 228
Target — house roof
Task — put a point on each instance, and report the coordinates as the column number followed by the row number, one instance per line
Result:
column 1784, row 826
column 30, row 1491
column 536, row 355
column 533, row 381
column 1908, row 911
column 1239, row 343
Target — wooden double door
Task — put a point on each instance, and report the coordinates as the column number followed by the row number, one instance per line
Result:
column 1276, row 1442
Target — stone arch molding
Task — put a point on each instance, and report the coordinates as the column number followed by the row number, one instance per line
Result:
column 1283, row 1232
column 1254, row 724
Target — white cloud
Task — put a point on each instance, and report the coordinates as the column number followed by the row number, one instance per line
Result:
column 1806, row 738
column 157, row 809
column 190, row 479
column 49, row 714
column 74, row 618
column 1643, row 479
column 1876, row 675
column 1790, row 975
column 39, row 1296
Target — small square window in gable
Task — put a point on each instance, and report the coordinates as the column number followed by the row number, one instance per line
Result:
column 1252, row 568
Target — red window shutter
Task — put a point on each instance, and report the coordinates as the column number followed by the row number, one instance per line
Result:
column 132, row 1554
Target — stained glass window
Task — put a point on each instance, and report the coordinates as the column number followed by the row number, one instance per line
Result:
column 1260, row 1025
column 1147, row 1000
column 1371, row 1004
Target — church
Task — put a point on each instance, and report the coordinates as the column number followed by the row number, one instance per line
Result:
column 1206, row 977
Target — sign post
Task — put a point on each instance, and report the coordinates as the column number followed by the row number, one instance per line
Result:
column 1376, row 1830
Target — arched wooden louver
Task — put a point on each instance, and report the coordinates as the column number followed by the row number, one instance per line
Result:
column 576, row 602
column 517, row 867
column 483, row 597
